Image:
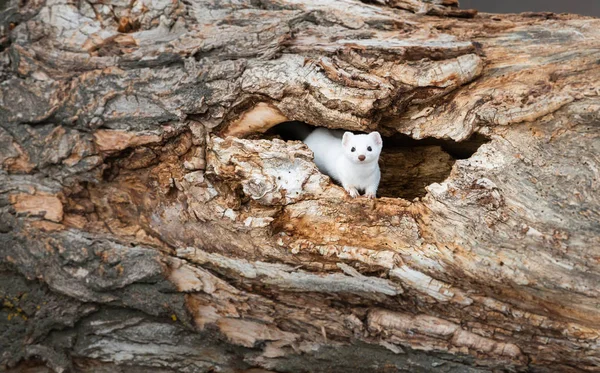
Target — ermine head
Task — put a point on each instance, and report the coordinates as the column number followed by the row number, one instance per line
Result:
column 362, row 149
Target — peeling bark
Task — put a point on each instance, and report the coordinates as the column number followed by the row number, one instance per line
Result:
column 151, row 219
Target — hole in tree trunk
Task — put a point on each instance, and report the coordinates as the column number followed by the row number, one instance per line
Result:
column 407, row 165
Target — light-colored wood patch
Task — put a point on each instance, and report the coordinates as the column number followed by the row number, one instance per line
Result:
column 246, row 333
column 47, row 206
column 258, row 119
column 115, row 140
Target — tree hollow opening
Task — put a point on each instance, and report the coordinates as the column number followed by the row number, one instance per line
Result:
column 407, row 165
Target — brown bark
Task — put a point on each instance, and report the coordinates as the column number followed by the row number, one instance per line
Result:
column 152, row 220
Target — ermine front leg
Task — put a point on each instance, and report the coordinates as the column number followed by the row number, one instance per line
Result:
column 352, row 191
column 371, row 191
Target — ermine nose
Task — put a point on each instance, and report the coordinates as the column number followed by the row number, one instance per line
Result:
column 361, row 157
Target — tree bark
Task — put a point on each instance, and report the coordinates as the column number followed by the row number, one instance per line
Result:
column 152, row 220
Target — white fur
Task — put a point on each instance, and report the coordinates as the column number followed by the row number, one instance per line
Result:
column 334, row 157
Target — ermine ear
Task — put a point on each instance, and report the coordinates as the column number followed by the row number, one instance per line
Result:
column 377, row 137
column 346, row 138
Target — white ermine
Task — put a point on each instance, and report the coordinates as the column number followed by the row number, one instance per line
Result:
column 350, row 159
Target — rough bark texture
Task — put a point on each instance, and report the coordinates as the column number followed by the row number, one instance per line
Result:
column 146, row 224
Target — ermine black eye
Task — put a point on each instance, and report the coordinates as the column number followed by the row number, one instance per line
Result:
column 353, row 149
column 369, row 148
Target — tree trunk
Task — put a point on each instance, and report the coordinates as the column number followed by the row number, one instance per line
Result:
column 152, row 220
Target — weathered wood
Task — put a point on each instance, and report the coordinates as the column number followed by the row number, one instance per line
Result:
column 145, row 225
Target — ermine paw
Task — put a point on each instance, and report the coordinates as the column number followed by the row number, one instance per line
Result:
column 370, row 195
column 353, row 192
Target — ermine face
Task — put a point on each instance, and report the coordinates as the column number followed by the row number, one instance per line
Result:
column 362, row 149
